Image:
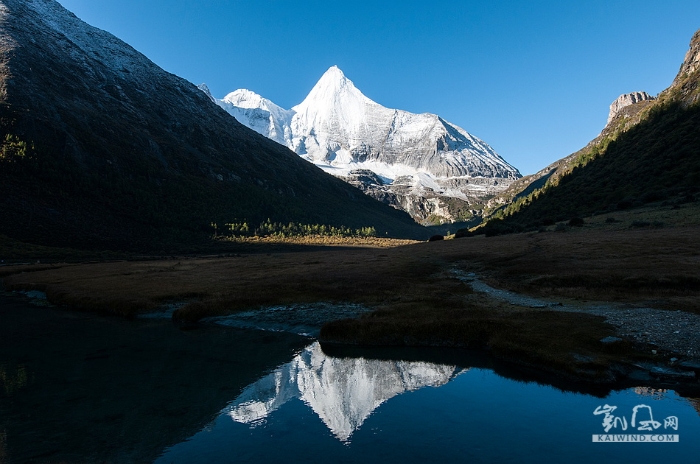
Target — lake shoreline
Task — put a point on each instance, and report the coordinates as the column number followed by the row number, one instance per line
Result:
column 617, row 373
column 417, row 294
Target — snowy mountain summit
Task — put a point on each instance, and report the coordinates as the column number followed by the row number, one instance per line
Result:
column 420, row 163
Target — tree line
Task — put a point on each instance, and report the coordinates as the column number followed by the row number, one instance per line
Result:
column 268, row 228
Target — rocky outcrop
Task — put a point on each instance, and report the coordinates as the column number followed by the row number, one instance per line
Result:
column 686, row 85
column 691, row 63
column 626, row 100
column 427, row 206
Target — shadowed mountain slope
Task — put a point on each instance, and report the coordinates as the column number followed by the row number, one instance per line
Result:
column 102, row 148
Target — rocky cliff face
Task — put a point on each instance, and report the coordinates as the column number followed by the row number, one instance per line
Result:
column 626, row 100
column 686, row 85
column 691, row 63
column 426, row 164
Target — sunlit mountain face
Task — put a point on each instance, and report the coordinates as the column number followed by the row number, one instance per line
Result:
column 419, row 163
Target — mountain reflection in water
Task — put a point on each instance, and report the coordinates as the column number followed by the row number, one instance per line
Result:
column 472, row 415
column 343, row 392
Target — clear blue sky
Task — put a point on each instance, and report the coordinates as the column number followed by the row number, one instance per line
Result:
column 534, row 79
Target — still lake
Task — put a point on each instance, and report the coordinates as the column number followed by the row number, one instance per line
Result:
column 78, row 387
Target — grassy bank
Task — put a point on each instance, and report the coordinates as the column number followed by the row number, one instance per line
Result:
column 568, row 343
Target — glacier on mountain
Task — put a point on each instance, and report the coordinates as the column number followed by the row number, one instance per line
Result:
column 417, row 157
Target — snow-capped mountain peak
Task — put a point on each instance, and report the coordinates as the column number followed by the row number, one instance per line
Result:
column 332, row 119
column 333, row 91
column 331, row 82
column 343, row 132
column 260, row 114
column 244, row 98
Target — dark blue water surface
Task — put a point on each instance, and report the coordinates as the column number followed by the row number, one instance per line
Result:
column 78, row 387
column 322, row 409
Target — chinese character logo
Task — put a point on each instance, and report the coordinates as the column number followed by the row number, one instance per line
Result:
column 642, row 419
column 610, row 421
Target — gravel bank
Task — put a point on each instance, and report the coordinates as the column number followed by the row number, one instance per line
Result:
column 674, row 331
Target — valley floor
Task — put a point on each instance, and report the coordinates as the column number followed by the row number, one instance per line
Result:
column 639, row 268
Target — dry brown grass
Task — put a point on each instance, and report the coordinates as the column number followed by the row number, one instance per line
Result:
column 225, row 284
column 629, row 265
column 657, row 266
column 417, row 300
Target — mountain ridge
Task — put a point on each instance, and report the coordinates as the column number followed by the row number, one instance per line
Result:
column 343, row 132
